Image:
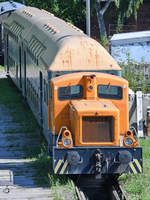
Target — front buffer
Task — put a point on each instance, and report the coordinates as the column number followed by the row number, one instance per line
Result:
column 92, row 160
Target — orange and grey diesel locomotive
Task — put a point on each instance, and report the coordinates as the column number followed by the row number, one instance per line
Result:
column 76, row 92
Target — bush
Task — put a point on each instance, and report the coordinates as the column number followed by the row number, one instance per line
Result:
column 134, row 73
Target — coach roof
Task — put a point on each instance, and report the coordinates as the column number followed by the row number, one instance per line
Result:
column 60, row 45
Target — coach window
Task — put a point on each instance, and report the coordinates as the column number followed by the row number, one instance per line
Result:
column 110, row 92
column 70, row 92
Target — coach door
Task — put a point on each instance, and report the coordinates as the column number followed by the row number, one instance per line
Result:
column 41, row 99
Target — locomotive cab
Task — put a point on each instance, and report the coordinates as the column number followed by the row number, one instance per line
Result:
column 90, row 120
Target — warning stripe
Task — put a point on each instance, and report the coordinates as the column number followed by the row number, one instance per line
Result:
column 61, row 166
column 58, row 165
column 133, row 168
column 64, row 167
column 138, row 165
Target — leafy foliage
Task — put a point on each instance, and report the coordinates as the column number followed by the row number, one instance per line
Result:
column 134, row 74
column 104, row 42
column 125, row 8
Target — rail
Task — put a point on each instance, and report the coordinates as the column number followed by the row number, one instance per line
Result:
column 118, row 192
column 80, row 193
column 115, row 189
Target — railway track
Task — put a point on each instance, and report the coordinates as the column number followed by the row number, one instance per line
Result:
column 118, row 192
column 98, row 189
column 80, row 194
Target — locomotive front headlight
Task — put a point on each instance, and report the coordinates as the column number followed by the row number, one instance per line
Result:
column 128, row 141
column 67, row 142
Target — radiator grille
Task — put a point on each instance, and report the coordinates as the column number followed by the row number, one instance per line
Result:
column 97, row 129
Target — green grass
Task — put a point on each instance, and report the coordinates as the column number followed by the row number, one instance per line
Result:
column 1, row 67
column 20, row 112
column 138, row 186
column 29, row 128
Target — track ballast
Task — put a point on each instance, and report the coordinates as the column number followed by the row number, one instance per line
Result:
column 98, row 188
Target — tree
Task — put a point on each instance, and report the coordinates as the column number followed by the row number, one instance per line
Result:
column 124, row 8
column 134, row 73
column 100, row 11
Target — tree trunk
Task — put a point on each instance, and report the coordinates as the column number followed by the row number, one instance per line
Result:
column 100, row 16
column 102, row 27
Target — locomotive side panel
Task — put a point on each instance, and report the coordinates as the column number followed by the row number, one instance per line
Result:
column 36, row 87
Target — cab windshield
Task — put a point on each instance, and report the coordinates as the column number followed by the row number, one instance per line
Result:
column 70, row 92
column 110, row 92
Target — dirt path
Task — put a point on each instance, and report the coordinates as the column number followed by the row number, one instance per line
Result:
column 12, row 158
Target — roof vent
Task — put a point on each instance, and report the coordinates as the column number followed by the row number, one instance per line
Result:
column 28, row 13
column 16, row 28
column 50, row 28
column 36, row 47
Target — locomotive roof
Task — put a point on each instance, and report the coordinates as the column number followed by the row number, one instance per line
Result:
column 60, row 45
